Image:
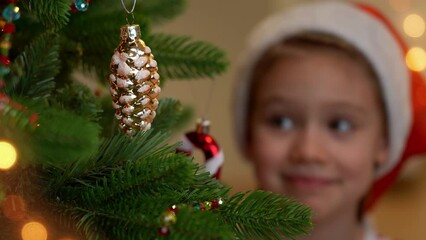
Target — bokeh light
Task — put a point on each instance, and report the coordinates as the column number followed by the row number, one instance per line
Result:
column 34, row 231
column 416, row 59
column 8, row 155
column 414, row 25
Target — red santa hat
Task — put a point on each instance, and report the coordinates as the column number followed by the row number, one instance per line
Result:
column 364, row 27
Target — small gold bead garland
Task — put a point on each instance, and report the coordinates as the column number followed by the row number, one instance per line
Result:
column 168, row 218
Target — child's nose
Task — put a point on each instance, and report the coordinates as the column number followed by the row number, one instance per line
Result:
column 308, row 146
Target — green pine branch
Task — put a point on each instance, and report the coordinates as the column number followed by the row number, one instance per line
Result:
column 80, row 221
column 171, row 115
column 154, row 174
column 131, row 193
column 16, row 126
column 34, row 70
column 183, row 58
column 126, row 217
column 87, row 41
column 93, row 45
column 114, row 152
column 199, row 225
column 121, row 193
column 264, row 215
column 13, row 118
column 79, row 99
column 62, row 137
column 51, row 134
column 51, row 13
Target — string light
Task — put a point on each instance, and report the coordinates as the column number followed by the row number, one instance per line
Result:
column 416, row 59
column 414, row 25
column 34, row 231
column 8, row 155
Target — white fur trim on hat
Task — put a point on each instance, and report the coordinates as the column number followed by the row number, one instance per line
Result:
column 356, row 26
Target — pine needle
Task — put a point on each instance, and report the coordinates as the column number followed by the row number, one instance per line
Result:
column 182, row 58
column 264, row 215
column 36, row 68
column 171, row 115
column 51, row 13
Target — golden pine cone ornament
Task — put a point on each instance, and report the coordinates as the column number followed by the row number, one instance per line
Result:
column 134, row 82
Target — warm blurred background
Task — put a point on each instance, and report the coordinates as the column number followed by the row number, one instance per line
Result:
column 402, row 212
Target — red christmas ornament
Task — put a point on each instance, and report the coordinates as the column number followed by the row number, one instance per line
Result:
column 4, row 60
column 173, row 208
column 215, row 204
column 164, row 231
column 15, row 106
column 201, row 139
column 9, row 28
column 73, row 8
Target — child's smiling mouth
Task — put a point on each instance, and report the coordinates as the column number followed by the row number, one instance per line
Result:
column 305, row 182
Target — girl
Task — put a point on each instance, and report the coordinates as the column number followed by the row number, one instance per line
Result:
column 327, row 111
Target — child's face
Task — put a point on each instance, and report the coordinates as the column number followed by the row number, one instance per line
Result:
column 316, row 131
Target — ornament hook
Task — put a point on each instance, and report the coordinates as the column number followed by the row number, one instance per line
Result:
column 129, row 12
column 133, row 18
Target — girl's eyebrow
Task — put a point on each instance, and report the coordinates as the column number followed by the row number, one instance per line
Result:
column 276, row 99
column 347, row 107
column 339, row 105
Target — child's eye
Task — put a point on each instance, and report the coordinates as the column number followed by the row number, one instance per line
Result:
column 284, row 123
column 341, row 126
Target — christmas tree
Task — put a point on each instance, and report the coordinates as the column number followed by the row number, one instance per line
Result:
column 68, row 172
